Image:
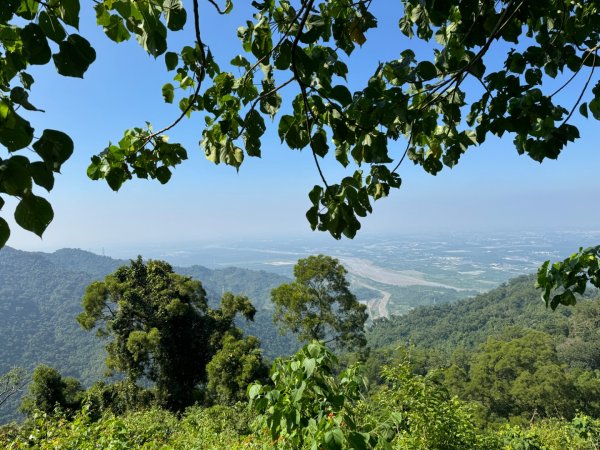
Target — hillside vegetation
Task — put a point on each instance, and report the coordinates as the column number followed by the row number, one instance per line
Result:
column 497, row 371
column 470, row 322
column 40, row 297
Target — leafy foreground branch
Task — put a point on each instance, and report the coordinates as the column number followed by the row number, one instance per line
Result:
column 435, row 105
column 307, row 406
column 562, row 280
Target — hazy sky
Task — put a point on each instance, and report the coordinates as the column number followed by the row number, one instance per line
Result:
column 492, row 188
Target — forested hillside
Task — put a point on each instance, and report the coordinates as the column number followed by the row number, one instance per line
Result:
column 470, row 322
column 40, row 297
column 463, row 371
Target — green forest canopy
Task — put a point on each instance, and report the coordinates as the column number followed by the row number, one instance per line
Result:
column 304, row 49
column 490, row 372
column 40, row 298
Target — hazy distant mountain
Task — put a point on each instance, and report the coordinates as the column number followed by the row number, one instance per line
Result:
column 40, row 296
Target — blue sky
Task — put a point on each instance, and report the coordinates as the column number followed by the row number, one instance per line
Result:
column 492, row 189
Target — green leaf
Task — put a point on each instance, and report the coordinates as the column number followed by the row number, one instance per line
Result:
column 35, row 44
column 115, row 29
column 34, row 214
column 283, row 58
column 270, row 104
column 309, row 365
column 240, row 61
column 54, row 147
column 359, row 441
column 312, row 215
column 19, row 96
column 342, row 95
column 356, row 33
column 263, row 41
column 9, row 8
column 284, row 126
column 318, row 143
column 293, row 132
column 168, row 92
column 42, row 176
column 163, row 174
column 426, row 70
column 255, row 128
column 175, row 14
column 26, row 80
column 595, row 108
column 154, row 41
column 189, row 56
column 14, row 176
column 68, row 11
column 51, row 27
column 254, row 391
column 315, row 194
column 74, row 57
column 4, row 232
column 102, row 15
column 115, row 178
column 15, row 132
column 334, row 439
column 516, row 63
column 171, row 60
column 583, row 110
column 27, row 9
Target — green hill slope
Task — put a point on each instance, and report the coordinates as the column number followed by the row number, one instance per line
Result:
column 470, row 322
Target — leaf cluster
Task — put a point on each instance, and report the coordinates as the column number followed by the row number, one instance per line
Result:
column 561, row 281
column 319, row 305
column 161, row 329
column 34, row 33
column 419, row 100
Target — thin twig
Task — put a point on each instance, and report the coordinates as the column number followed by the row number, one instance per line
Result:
column 307, row 6
column 217, row 7
column 583, row 90
column 285, row 35
column 262, row 96
column 199, row 80
column 591, row 52
column 404, row 154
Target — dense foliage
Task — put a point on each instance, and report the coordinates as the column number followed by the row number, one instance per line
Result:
column 40, row 297
column 494, row 372
column 495, row 68
column 160, row 328
column 470, row 322
column 308, row 406
column 49, row 390
column 520, row 377
column 502, row 351
column 318, row 304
